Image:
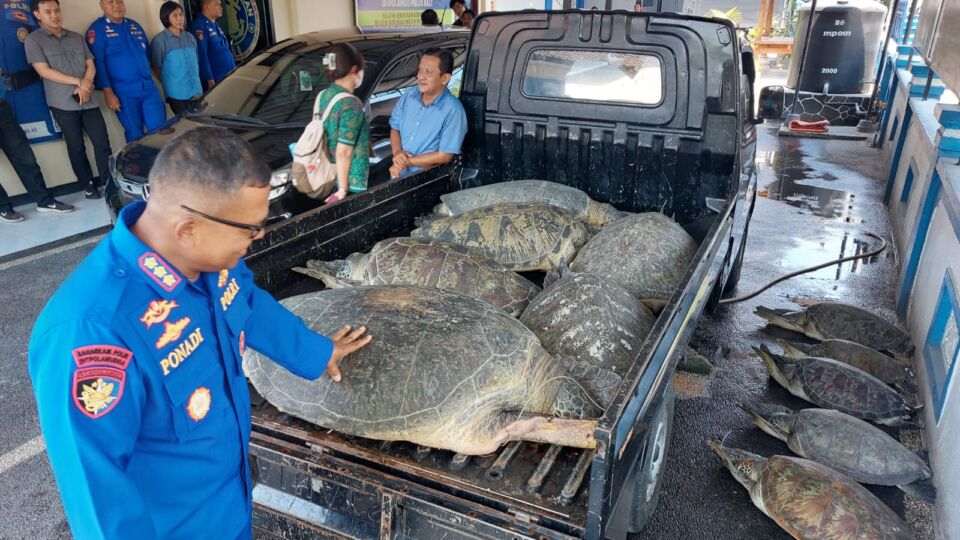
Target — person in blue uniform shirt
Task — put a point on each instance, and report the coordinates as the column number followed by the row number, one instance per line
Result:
column 216, row 58
column 136, row 359
column 121, row 52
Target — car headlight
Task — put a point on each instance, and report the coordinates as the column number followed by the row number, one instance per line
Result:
column 279, row 182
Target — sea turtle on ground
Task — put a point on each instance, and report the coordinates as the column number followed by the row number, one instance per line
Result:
column 646, row 254
column 443, row 370
column 521, row 236
column 835, row 385
column 841, row 442
column 586, row 316
column 428, row 263
column 809, row 500
column 571, row 199
column 832, row 320
column 859, row 356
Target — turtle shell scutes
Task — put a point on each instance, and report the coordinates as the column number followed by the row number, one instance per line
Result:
column 835, row 385
column 521, row 237
column 812, row 501
column 841, row 321
column 442, row 265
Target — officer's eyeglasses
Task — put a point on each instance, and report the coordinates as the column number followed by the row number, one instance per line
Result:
column 254, row 230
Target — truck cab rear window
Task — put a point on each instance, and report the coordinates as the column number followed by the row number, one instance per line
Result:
column 595, row 76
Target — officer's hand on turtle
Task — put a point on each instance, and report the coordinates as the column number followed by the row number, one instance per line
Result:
column 345, row 342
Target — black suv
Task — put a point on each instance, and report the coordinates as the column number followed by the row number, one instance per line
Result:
column 268, row 102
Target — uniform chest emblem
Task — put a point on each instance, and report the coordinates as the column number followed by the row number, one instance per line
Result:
column 172, row 332
column 222, row 278
column 159, row 271
column 22, row 35
column 199, row 404
column 98, row 381
column 157, row 312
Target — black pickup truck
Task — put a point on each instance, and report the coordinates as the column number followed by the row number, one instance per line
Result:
column 648, row 112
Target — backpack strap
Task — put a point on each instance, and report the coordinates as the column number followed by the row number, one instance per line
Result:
column 326, row 112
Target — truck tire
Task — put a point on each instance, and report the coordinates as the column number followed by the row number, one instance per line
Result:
column 649, row 478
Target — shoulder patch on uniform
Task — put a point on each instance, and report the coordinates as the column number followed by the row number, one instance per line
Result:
column 199, row 34
column 91, row 36
column 222, row 278
column 103, row 355
column 97, row 389
column 158, row 270
column 157, row 312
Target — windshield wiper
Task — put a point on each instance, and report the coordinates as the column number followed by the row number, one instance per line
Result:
column 233, row 118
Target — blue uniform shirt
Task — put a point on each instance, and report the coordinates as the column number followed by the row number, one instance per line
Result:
column 175, row 57
column 120, row 54
column 438, row 127
column 142, row 401
column 216, row 58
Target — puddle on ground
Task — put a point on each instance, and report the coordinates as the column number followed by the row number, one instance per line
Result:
column 790, row 171
column 810, row 252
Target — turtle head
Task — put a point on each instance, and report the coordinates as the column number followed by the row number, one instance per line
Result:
column 336, row 274
column 772, row 419
column 744, row 466
column 784, row 318
column 442, row 210
column 794, row 350
column 779, row 367
column 600, row 214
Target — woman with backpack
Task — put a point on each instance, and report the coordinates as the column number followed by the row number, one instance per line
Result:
column 346, row 128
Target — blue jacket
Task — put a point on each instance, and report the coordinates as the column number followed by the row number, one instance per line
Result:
column 121, row 55
column 142, row 400
column 216, row 58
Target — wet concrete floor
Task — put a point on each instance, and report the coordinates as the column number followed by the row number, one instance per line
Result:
column 816, row 200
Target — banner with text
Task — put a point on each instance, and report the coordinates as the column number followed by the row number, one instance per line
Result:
column 399, row 15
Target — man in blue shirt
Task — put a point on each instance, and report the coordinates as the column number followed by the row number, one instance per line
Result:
column 216, row 58
column 119, row 47
column 136, row 360
column 428, row 123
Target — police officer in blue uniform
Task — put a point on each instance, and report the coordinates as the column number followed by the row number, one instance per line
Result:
column 136, row 360
column 121, row 52
column 216, row 58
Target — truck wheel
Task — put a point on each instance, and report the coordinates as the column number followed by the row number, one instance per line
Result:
column 649, row 479
column 734, row 278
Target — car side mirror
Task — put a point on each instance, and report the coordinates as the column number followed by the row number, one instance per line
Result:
column 771, row 105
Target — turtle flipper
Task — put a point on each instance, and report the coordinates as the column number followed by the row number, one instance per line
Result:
column 555, row 274
column 922, row 489
column 585, row 391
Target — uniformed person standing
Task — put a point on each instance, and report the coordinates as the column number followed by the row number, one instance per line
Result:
column 216, row 58
column 121, row 52
column 136, row 360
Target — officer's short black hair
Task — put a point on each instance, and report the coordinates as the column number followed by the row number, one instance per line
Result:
column 429, row 17
column 35, row 4
column 166, row 10
column 209, row 157
column 455, row 2
column 445, row 57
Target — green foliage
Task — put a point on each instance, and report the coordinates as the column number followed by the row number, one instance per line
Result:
column 733, row 14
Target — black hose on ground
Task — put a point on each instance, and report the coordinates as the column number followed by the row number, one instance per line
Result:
column 883, row 246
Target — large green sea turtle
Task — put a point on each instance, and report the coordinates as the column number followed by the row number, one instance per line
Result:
column 809, row 500
column 521, row 237
column 861, row 357
column 571, row 199
column 443, row 370
column 841, row 442
column 586, row 316
column 646, row 254
column 835, row 385
column 832, row 320
column 428, row 263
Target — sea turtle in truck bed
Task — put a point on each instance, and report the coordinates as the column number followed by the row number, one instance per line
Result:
column 428, row 263
column 443, row 370
column 646, row 254
column 832, row 320
column 522, row 237
column 571, row 199
column 835, row 385
column 846, row 444
column 809, row 500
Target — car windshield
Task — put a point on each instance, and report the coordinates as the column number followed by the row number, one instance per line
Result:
column 267, row 92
